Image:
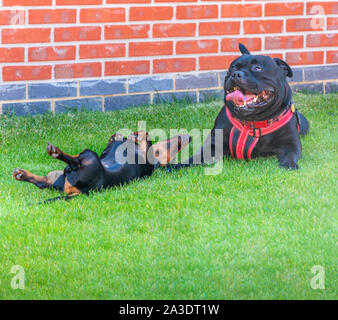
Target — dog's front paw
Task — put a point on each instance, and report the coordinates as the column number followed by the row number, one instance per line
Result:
column 53, row 151
column 289, row 165
column 19, row 174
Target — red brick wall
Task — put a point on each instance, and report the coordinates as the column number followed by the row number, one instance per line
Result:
column 72, row 39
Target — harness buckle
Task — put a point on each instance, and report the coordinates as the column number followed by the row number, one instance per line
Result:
column 254, row 132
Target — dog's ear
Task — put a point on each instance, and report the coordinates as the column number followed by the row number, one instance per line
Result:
column 243, row 49
column 284, row 66
column 165, row 151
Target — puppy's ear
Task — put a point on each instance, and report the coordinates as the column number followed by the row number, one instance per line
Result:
column 284, row 66
column 165, row 151
column 243, row 49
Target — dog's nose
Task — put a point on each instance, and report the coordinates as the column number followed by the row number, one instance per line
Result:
column 238, row 75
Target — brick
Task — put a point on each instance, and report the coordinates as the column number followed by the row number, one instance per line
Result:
column 174, row 65
column 231, row 44
column 331, row 87
column 197, row 12
column 27, row 3
column 284, row 42
column 77, row 70
column 241, row 10
column 27, row 108
column 169, row 97
column 12, row 92
column 263, row 26
column 124, row 102
column 52, row 90
column 103, row 87
column 191, row 81
column 332, row 24
column 137, row 49
column 48, row 16
column 316, row 8
column 320, row 73
column 150, row 13
column 216, row 62
column 322, row 40
column 150, row 84
column 219, row 28
column 77, row 34
column 52, row 53
column 87, row 104
column 332, row 57
column 307, row 87
column 21, row 73
column 175, row 1
column 297, row 75
column 98, row 15
column 174, row 30
column 196, row 46
column 127, row 32
column 12, row 55
column 128, row 1
column 108, row 50
column 276, row 55
column 12, row 17
column 211, row 95
column 303, row 58
column 284, row 9
column 114, row 68
column 304, row 24
column 27, row 35
column 78, row 2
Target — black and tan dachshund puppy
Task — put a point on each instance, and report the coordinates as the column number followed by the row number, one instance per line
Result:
column 123, row 160
column 259, row 118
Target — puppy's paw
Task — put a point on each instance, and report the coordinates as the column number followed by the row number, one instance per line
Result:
column 291, row 165
column 19, row 174
column 53, row 151
column 115, row 137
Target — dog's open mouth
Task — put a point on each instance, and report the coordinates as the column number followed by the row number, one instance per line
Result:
column 243, row 98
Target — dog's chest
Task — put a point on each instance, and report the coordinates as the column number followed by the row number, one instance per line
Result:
column 241, row 144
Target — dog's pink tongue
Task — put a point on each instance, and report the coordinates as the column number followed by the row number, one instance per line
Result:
column 237, row 97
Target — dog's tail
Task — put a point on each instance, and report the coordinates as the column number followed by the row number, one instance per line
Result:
column 304, row 125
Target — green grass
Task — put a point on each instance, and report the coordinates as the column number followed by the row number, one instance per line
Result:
column 253, row 231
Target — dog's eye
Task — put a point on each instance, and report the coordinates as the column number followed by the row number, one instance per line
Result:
column 258, row 68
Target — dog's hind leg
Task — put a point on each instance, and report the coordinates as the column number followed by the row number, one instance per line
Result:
column 54, row 179
column 56, row 153
column 304, row 125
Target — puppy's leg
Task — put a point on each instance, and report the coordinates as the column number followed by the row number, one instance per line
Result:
column 53, row 179
column 289, row 155
column 56, row 153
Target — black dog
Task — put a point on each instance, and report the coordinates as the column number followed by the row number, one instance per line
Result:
column 87, row 171
column 259, row 118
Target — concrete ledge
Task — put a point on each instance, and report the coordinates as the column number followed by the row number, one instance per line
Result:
column 121, row 93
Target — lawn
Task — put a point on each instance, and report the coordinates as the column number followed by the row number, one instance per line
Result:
column 252, row 231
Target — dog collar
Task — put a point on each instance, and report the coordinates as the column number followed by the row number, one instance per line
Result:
column 244, row 135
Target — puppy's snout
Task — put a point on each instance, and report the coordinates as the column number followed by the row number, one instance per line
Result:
column 237, row 75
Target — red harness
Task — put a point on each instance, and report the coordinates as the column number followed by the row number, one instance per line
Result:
column 244, row 135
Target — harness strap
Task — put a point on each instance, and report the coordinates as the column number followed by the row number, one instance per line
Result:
column 239, row 140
